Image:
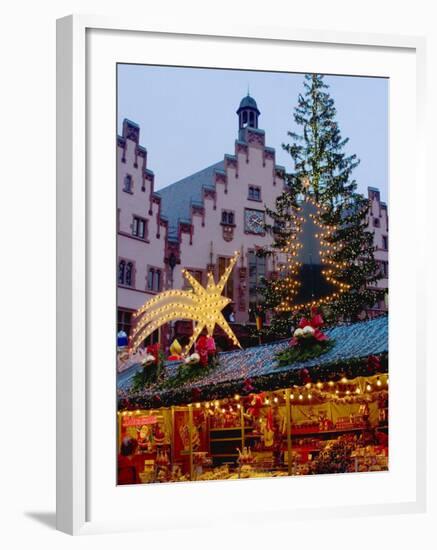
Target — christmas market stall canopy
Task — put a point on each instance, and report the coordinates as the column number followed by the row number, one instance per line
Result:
column 359, row 349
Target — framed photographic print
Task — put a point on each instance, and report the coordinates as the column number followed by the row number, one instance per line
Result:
column 234, row 294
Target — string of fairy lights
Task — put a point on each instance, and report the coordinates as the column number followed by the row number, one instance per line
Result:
column 287, row 284
column 348, row 391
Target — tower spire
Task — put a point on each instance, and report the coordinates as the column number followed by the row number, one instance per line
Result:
column 248, row 114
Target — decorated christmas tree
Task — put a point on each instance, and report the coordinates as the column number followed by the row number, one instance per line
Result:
column 308, row 277
column 334, row 264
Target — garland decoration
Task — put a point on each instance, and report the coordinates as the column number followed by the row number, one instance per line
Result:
column 172, row 395
column 308, row 341
column 196, row 365
column 152, row 368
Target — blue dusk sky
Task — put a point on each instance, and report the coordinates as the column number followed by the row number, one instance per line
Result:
column 188, row 120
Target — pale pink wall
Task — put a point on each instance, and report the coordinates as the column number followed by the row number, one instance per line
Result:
column 378, row 212
column 132, row 160
column 253, row 168
column 253, row 165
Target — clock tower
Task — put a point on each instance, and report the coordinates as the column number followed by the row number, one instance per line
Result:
column 248, row 114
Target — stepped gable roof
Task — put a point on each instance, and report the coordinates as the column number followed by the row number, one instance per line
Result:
column 178, row 197
column 352, row 343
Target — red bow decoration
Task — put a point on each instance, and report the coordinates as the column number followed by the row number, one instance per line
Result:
column 247, row 386
column 256, row 403
column 315, row 323
column 305, row 377
column 316, row 320
column 202, row 349
column 153, row 349
column 320, row 336
column 210, row 345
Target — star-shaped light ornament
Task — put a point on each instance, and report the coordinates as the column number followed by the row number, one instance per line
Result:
column 202, row 305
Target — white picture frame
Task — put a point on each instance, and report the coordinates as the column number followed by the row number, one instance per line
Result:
column 75, row 397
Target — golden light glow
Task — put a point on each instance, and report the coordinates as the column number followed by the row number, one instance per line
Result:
column 288, row 283
column 202, row 305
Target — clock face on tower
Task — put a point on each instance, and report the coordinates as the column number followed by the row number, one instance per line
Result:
column 254, row 221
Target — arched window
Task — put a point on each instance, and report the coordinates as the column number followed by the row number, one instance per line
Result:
column 252, row 120
column 121, row 272
column 129, row 268
column 127, row 183
column 244, row 118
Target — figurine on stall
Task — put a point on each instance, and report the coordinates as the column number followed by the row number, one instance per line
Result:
column 255, row 406
column 144, row 438
column 202, row 349
column 184, row 432
column 268, row 432
column 175, row 351
column 383, row 408
column 364, row 411
column 159, row 434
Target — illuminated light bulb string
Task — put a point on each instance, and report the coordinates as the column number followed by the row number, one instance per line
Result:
column 357, row 390
column 288, row 283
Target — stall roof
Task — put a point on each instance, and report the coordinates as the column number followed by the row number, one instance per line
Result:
column 352, row 342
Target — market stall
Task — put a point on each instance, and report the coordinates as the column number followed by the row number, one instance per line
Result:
column 249, row 413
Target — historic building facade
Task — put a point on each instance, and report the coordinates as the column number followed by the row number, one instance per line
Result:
column 221, row 209
column 141, row 231
column 197, row 223
column 378, row 224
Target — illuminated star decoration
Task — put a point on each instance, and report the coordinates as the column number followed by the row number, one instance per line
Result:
column 202, row 305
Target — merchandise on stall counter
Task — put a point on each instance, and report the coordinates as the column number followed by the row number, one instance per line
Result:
column 245, row 457
column 148, row 474
column 162, row 458
column 351, row 421
column 159, row 435
column 372, row 458
column 306, row 426
column 201, row 459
